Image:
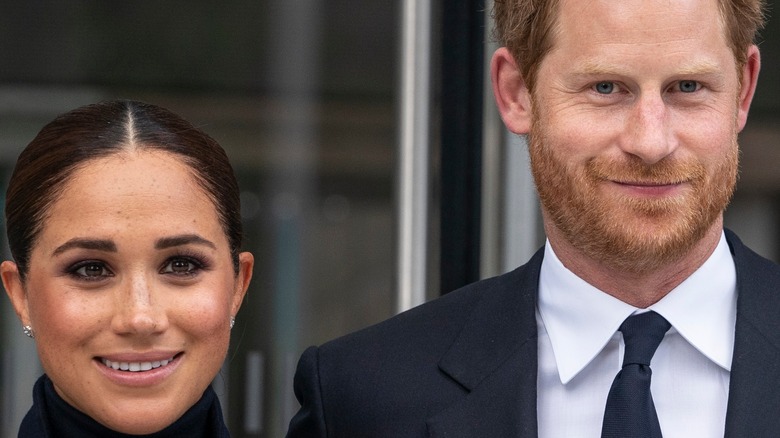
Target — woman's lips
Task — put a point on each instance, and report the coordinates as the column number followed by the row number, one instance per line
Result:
column 136, row 366
column 139, row 370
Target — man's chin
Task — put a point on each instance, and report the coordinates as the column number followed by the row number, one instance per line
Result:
column 640, row 244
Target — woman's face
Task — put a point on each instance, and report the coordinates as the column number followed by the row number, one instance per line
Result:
column 130, row 291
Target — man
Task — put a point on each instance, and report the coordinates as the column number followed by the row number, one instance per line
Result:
column 632, row 109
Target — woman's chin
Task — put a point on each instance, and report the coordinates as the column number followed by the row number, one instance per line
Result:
column 139, row 423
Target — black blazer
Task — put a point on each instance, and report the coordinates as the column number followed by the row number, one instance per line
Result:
column 464, row 365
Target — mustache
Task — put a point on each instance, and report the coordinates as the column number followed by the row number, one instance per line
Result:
column 632, row 170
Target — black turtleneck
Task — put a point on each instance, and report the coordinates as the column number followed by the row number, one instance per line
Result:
column 52, row 417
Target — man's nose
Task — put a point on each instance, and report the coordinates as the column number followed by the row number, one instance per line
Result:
column 648, row 134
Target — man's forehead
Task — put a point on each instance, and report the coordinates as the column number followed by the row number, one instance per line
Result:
column 638, row 20
column 638, row 28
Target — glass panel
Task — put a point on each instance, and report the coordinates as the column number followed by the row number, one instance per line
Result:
column 301, row 95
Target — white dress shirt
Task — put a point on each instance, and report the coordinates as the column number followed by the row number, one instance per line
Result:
column 581, row 351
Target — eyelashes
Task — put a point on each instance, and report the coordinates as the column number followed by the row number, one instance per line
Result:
column 90, row 270
column 181, row 265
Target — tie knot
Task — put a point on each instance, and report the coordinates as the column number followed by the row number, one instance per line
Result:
column 642, row 334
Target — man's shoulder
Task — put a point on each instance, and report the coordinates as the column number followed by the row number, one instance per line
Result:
column 395, row 375
column 749, row 263
column 431, row 327
column 758, row 288
column 440, row 317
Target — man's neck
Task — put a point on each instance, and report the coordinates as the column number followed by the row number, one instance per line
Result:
column 637, row 289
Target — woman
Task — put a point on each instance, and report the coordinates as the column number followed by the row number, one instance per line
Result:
column 123, row 222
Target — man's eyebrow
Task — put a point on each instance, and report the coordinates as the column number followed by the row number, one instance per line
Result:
column 84, row 243
column 184, row 239
column 699, row 68
column 597, row 68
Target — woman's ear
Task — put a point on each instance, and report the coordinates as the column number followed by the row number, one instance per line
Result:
column 12, row 281
column 246, row 263
column 512, row 95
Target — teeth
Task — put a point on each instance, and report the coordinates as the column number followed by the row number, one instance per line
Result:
column 135, row 366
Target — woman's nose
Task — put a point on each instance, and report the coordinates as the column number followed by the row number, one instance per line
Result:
column 138, row 312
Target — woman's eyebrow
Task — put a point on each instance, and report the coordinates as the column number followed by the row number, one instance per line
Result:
column 84, row 243
column 109, row 246
column 184, row 239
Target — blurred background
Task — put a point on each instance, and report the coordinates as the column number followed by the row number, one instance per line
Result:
column 375, row 173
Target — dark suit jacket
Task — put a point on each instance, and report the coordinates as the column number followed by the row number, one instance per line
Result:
column 464, row 365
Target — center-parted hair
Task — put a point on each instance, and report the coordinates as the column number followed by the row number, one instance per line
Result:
column 84, row 134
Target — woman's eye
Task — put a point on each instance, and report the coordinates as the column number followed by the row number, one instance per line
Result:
column 604, row 87
column 92, row 271
column 180, row 266
column 688, row 86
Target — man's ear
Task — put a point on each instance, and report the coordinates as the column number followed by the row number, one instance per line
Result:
column 512, row 95
column 12, row 281
column 749, row 79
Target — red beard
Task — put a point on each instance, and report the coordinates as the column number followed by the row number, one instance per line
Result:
column 632, row 234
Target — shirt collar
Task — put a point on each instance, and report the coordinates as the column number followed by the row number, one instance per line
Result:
column 580, row 319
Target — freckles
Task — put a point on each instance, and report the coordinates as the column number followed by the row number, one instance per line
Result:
column 77, row 312
column 202, row 317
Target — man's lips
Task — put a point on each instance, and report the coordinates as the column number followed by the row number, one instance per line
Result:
column 640, row 183
column 649, row 188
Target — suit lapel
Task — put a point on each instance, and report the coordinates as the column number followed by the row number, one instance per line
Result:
column 494, row 357
column 754, row 389
column 500, row 371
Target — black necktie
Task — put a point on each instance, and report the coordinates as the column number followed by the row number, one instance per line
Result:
column 630, row 412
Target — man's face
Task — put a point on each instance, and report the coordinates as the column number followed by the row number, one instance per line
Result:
column 633, row 142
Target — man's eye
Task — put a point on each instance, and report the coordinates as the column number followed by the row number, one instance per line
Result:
column 688, row 86
column 605, row 87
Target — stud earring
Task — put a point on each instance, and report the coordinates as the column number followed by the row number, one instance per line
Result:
column 232, row 321
column 28, row 331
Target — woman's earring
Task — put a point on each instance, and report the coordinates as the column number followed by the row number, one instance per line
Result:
column 28, row 331
column 232, row 321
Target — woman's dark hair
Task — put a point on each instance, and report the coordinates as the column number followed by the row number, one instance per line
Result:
column 94, row 131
